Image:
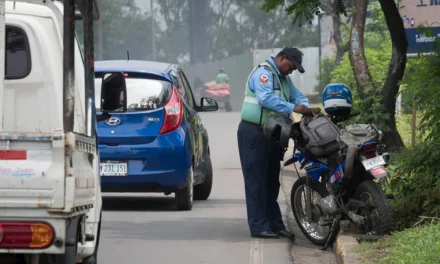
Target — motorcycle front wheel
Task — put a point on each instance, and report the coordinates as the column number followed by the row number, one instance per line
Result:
column 381, row 221
column 313, row 230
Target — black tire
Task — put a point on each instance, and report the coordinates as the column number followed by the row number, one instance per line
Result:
column 69, row 257
column 382, row 221
column 322, row 191
column 203, row 190
column 93, row 259
column 184, row 197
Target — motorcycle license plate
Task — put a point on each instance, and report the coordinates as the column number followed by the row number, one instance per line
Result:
column 373, row 163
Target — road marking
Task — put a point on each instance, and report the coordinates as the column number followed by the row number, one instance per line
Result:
column 256, row 256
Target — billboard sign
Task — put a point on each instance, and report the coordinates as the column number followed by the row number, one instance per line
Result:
column 417, row 13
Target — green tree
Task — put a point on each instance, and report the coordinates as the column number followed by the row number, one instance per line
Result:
column 325, row 76
column 233, row 27
column 416, row 181
column 367, row 89
column 377, row 58
column 173, row 40
column 121, row 28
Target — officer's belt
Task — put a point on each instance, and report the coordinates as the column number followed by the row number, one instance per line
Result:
column 254, row 126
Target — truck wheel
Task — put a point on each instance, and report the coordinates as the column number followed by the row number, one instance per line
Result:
column 203, row 190
column 72, row 238
column 184, row 197
column 93, row 259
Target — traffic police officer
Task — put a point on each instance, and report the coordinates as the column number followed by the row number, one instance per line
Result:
column 269, row 90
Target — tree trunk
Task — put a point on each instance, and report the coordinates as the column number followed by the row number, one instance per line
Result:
column 356, row 52
column 395, row 71
column 341, row 47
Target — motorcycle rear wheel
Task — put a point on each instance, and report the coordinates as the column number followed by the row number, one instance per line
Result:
column 381, row 218
column 309, row 229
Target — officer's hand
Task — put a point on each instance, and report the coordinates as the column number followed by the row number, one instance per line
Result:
column 316, row 110
column 301, row 109
column 292, row 116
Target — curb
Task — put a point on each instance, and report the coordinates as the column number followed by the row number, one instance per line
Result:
column 343, row 249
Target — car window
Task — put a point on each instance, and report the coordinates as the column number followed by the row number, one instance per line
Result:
column 142, row 93
column 17, row 53
column 187, row 87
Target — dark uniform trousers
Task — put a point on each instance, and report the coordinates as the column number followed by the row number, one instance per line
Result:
column 260, row 162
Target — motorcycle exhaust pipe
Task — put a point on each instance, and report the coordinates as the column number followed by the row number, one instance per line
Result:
column 387, row 158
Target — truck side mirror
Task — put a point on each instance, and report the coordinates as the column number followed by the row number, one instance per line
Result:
column 113, row 93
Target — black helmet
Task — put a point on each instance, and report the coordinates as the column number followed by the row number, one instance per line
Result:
column 278, row 128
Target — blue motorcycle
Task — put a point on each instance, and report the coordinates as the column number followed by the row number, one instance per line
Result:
column 342, row 185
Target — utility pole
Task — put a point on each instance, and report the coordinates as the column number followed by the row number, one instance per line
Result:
column 153, row 30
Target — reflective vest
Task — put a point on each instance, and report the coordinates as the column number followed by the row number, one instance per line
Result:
column 252, row 111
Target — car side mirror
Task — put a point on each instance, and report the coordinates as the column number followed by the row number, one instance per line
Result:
column 208, row 105
column 113, row 93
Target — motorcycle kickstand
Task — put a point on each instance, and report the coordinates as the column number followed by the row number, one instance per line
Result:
column 336, row 222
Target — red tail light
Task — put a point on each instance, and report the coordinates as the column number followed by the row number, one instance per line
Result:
column 369, row 151
column 25, row 235
column 173, row 113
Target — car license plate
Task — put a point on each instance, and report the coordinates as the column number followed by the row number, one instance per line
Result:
column 114, row 168
column 373, row 163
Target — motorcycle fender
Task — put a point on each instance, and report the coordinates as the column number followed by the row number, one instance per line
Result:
column 292, row 159
column 379, row 172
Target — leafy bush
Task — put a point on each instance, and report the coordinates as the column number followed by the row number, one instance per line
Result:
column 416, row 183
column 416, row 179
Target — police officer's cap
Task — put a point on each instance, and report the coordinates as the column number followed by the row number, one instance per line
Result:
column 295, row 56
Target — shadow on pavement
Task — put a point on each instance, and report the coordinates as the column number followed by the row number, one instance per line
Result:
column 220, row 203
column 140, row 203
column 182, row 229
column 136, row 203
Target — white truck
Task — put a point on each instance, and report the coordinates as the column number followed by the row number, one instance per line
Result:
column 50, row 196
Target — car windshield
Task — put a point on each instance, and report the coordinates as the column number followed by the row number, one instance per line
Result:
column 142, row 94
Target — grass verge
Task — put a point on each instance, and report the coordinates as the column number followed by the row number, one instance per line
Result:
column 419, row 245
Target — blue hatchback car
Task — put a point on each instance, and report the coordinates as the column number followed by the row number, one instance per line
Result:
column 159, row 144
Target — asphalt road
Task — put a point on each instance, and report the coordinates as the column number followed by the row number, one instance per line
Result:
column 146, row 228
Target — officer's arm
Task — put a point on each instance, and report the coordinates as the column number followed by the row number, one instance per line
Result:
column 262, row 82
column 296, row 97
